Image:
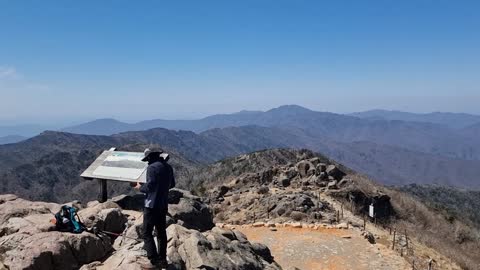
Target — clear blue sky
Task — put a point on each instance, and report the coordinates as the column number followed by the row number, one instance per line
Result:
column 79, row 60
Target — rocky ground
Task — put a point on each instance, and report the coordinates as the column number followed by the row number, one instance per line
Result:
column 28, row 239
column 279, row 193
column 333, row 249
column 303, row 211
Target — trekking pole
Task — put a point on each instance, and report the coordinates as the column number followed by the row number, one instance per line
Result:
column 96, row 231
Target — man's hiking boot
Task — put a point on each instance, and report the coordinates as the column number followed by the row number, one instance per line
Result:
column 156, row 264
column 163, row 264
column 149, row 266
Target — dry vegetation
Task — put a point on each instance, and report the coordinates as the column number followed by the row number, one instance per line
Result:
column 451, row 237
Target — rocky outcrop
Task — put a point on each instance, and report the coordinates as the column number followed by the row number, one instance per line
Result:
column 104, row 216
column 189, row 249
column 279, row 193
column 28, row 239
column 53, row 250
column 189, row 210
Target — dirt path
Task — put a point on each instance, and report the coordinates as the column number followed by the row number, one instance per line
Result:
column 324, row 249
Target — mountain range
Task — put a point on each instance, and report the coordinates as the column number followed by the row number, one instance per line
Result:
column 392, row 152
column 22, row 130
column 453, row 120
column 11, row 139
column 426, row 137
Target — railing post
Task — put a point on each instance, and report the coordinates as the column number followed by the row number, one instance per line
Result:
column 394, row 235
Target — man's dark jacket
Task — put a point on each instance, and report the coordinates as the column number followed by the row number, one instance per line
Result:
column 159, row 180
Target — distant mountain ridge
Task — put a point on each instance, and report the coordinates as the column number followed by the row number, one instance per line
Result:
column 429, row 138
column 11, row 139
column 47, row 167
column 390, row 151
column 22, row 130
column 453, row 120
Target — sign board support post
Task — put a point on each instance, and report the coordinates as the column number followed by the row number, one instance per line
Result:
column 103, row 196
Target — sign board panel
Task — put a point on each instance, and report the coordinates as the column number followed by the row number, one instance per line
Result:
column 117, row 166
column 371, row 211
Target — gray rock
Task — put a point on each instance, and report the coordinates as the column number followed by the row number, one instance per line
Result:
column 174, row 196
column 297, row 216
column 105, row 216
column 335, row 172
column 7, row 197
column 225, row 233
column 315, row 161
column 280, row 211
column 263, row 190
column 320, row 181
column 311, row 172
column 240, row 236
column 192, row 213
column 113, row 220
column 128, row 202
column 370, row 237
column 320, row 168
column 285, row 182
column 16, row 207
column 303, row 201
column 291, row 173
column 343, row 182
column 220, row 191
column 56, row 250
column 303, row 167
column 189, row 249
column 263, row 251
column 332, row 184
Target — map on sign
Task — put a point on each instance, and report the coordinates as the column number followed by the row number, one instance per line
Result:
column 118, row 166
column 121, row 164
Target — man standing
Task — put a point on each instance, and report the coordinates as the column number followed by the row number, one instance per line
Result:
column 160, row 179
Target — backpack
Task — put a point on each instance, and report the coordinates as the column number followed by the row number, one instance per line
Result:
column 67, row 220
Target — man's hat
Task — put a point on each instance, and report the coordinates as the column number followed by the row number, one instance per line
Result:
column 149, row 152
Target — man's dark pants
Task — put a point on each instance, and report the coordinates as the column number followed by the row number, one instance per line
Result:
column 155, row 218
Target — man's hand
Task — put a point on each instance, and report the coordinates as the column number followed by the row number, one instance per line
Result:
column 137, row 186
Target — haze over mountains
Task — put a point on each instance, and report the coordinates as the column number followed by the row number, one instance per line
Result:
column 453, row 120
column 393, row 152
column 22, row 130
column 11, row 139
column 426, row 137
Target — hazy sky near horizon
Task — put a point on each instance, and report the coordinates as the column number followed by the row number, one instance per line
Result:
column 66, row 61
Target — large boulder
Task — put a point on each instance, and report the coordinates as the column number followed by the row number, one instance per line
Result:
column 129, row 202
column 53, row 250
column 303, row 168
column 320, row 168
column 28, row 239
column 335, row 172
column 189, row 210
column 220, row 191
column 104, row 216
column 190, row 249
column 11, row 206
column 285, row 182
